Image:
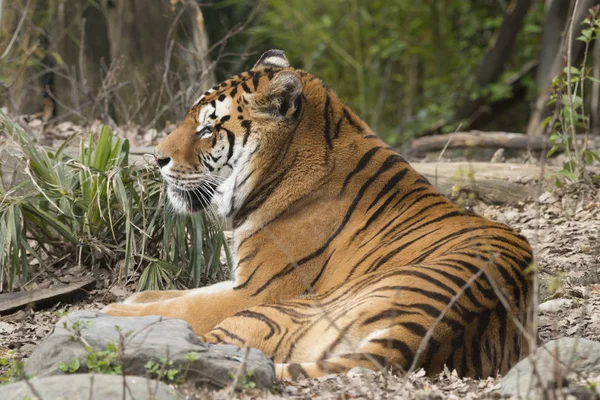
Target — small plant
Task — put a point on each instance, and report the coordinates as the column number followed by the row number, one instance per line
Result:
column 165, row 371
column 60, row 313
column 246, row 381
column 556, row 283
column 12, row 370
column 70, row 367
column 570, row 115
column 76, row 328
column 191, row 356
column 105, row 361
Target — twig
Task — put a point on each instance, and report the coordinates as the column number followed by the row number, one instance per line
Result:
column 240, row 370
column 19, row 26
column 569, row 89
column 442, row 154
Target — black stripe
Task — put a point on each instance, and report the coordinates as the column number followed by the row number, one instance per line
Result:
column 362, row 163
column 273, row 326
column 415, row 328
column 351, row 121
column 338, row 127
column 400, row 346
column 246, row 124
column 327, row 122
column 375, row 215
column 245, row 283
column 387, row 314
column 230, row 334
column 231, row 141
column 433, row 349
column 311, row 287
column 390, row 184
column 245, row 87
column 255, row 80
column 295, row 370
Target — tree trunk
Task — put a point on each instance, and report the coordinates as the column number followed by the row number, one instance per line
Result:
column 121, row 60
column 164, row 53
column 493, row 62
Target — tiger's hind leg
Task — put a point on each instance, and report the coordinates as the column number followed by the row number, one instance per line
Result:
column 367, row 356
column 392, row 348
column 313, row 342
column 489, row 344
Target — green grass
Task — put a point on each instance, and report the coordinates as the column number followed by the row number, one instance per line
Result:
column 96, row 210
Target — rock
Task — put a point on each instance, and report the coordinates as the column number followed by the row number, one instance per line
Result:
column 553, row 306
column 511, row 215
column 358, row 372
column 89, row 387
column 145, row 339
column 538, row 371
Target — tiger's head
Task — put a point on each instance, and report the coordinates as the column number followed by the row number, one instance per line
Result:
column 208, row 156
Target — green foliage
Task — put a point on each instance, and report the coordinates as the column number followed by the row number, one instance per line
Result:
column 70, row 367
column 12, row 370
column 105, row 361
column 570, row 113
column 97, row 209
column 164, row 371
column 246, row 381
column 191, row 356
column 76, row 328
column 402, row 65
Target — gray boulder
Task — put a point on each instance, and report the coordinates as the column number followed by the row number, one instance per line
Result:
column 551, row 363
column 89, row 387
column 167, row 343
column 554, row 306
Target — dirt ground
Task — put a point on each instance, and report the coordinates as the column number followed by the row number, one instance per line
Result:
column 563, row 227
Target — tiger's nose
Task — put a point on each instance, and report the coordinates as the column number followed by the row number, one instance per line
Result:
column 161, row 159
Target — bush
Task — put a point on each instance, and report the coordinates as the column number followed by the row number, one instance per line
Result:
column 96, row 210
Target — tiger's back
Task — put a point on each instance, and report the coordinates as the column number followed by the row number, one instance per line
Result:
column 344, row 255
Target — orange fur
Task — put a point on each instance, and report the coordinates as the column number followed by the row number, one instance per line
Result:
column 344, row 255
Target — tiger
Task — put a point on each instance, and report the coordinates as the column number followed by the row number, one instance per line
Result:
column 344, row 256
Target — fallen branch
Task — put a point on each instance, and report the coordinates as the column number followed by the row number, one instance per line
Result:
column 479, row 139
column 10, row 302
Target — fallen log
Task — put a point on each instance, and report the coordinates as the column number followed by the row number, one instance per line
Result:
column 493, row 183
column 479, row 139
column 10, row 302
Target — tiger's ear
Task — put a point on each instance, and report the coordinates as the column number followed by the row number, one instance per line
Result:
column 280, row 98
column 272, row 59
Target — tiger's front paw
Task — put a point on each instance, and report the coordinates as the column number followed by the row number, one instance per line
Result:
column 152, row 296
column 124, row 310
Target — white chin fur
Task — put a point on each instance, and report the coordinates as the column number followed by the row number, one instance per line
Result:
column 179, row 205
